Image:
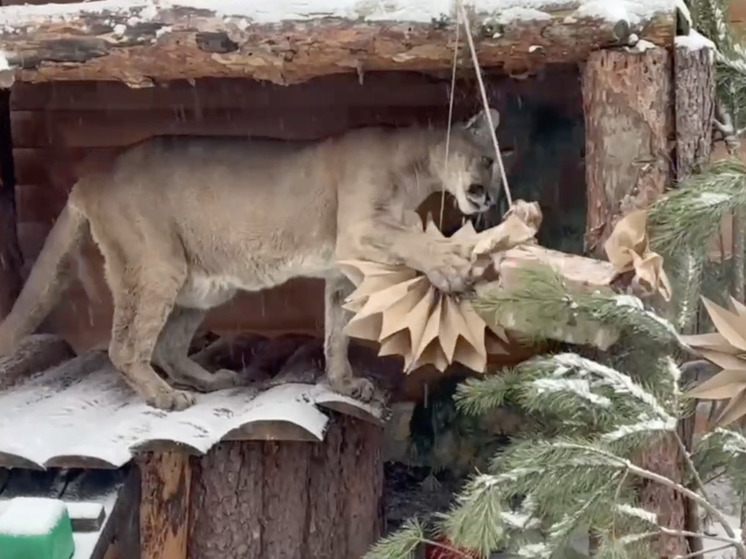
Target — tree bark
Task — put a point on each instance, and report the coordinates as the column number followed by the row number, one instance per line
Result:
column 253, row 500
column 627, row 98
column 694, row 75
column 146, row 41
column 628, row 103
column 164, row 505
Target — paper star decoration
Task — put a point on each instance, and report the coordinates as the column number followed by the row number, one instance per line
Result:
column 726, row 348
column 400, row 309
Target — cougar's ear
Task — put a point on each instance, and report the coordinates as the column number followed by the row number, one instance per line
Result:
column 479, row 125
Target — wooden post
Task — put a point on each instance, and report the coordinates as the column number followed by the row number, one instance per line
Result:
column 694, row 74
column 164, row 505
column 628, row 102
column 255, row 500
column 627, row 98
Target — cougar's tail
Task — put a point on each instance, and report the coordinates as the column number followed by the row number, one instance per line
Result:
column 48, row 279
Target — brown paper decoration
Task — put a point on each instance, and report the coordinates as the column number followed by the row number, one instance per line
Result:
column 726, row 348
column 628, row 249
column 406, row 315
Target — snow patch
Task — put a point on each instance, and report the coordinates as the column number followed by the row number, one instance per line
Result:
column 647, row 425
column 694, row 41
column 420, row 11
column 637, row 512
column 31, row 516
column 641, row 46
column 518, row 14
column 579, row 387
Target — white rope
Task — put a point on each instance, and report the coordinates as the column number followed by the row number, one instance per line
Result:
column 450, row 120
column 469, row 39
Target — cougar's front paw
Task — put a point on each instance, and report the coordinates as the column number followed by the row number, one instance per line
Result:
column 450, row 272
column 171, row 400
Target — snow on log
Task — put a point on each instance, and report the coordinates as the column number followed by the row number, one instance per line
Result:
column 288, row 41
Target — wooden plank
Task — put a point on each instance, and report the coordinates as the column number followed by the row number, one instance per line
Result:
column 628, row 103
column 164, row 505
column 379, row 89
column 145, row 42
column 93, row 129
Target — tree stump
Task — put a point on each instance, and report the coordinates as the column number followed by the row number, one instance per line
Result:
column 627, row 99
column 164, row 505
column 289, row 500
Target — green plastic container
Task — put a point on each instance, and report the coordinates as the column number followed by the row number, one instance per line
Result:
column 36, row 528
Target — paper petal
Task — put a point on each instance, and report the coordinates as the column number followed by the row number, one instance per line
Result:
column 724, row 360
column 712, row 342
column 729, row 325
column 722, row 386
column 734, row 411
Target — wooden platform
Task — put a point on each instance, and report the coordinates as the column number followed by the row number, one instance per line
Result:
column 82, row 414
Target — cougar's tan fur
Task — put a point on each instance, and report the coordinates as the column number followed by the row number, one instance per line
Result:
column 183, row 223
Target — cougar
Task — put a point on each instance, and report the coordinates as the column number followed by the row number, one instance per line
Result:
column 183, row 223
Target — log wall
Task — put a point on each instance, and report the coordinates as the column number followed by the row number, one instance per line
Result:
column 55, row 125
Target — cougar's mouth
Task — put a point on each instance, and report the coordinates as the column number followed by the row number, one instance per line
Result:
column 479, row 198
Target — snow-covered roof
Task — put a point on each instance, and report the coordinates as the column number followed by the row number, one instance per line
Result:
column 72, row 416
column 415, row 11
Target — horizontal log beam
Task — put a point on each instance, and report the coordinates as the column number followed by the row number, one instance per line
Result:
column 149, row 41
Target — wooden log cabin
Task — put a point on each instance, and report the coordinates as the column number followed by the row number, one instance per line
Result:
column 593, row 120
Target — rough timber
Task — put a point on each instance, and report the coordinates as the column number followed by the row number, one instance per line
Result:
column 142, row 42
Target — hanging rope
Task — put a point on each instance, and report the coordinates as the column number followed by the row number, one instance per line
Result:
column 450, row 120
column 470, row 40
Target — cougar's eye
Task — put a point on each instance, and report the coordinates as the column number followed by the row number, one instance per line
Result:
column 487, row 162
column 476, row 191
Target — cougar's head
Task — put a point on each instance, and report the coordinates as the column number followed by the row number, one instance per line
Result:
column 471, row 174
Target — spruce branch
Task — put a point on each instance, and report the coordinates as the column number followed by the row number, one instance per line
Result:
column 691, row 215
column 400, row 545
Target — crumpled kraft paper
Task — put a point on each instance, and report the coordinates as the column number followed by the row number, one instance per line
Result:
column 628, row 249
column 726, row 348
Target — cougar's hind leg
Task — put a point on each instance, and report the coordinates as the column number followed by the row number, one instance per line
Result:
column 144, row 295
column 338, row 370
column 171, row 353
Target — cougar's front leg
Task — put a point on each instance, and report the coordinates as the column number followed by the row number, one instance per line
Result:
column 338, row 370
column 172, row 349
column 143, row 300
column 446, row 264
